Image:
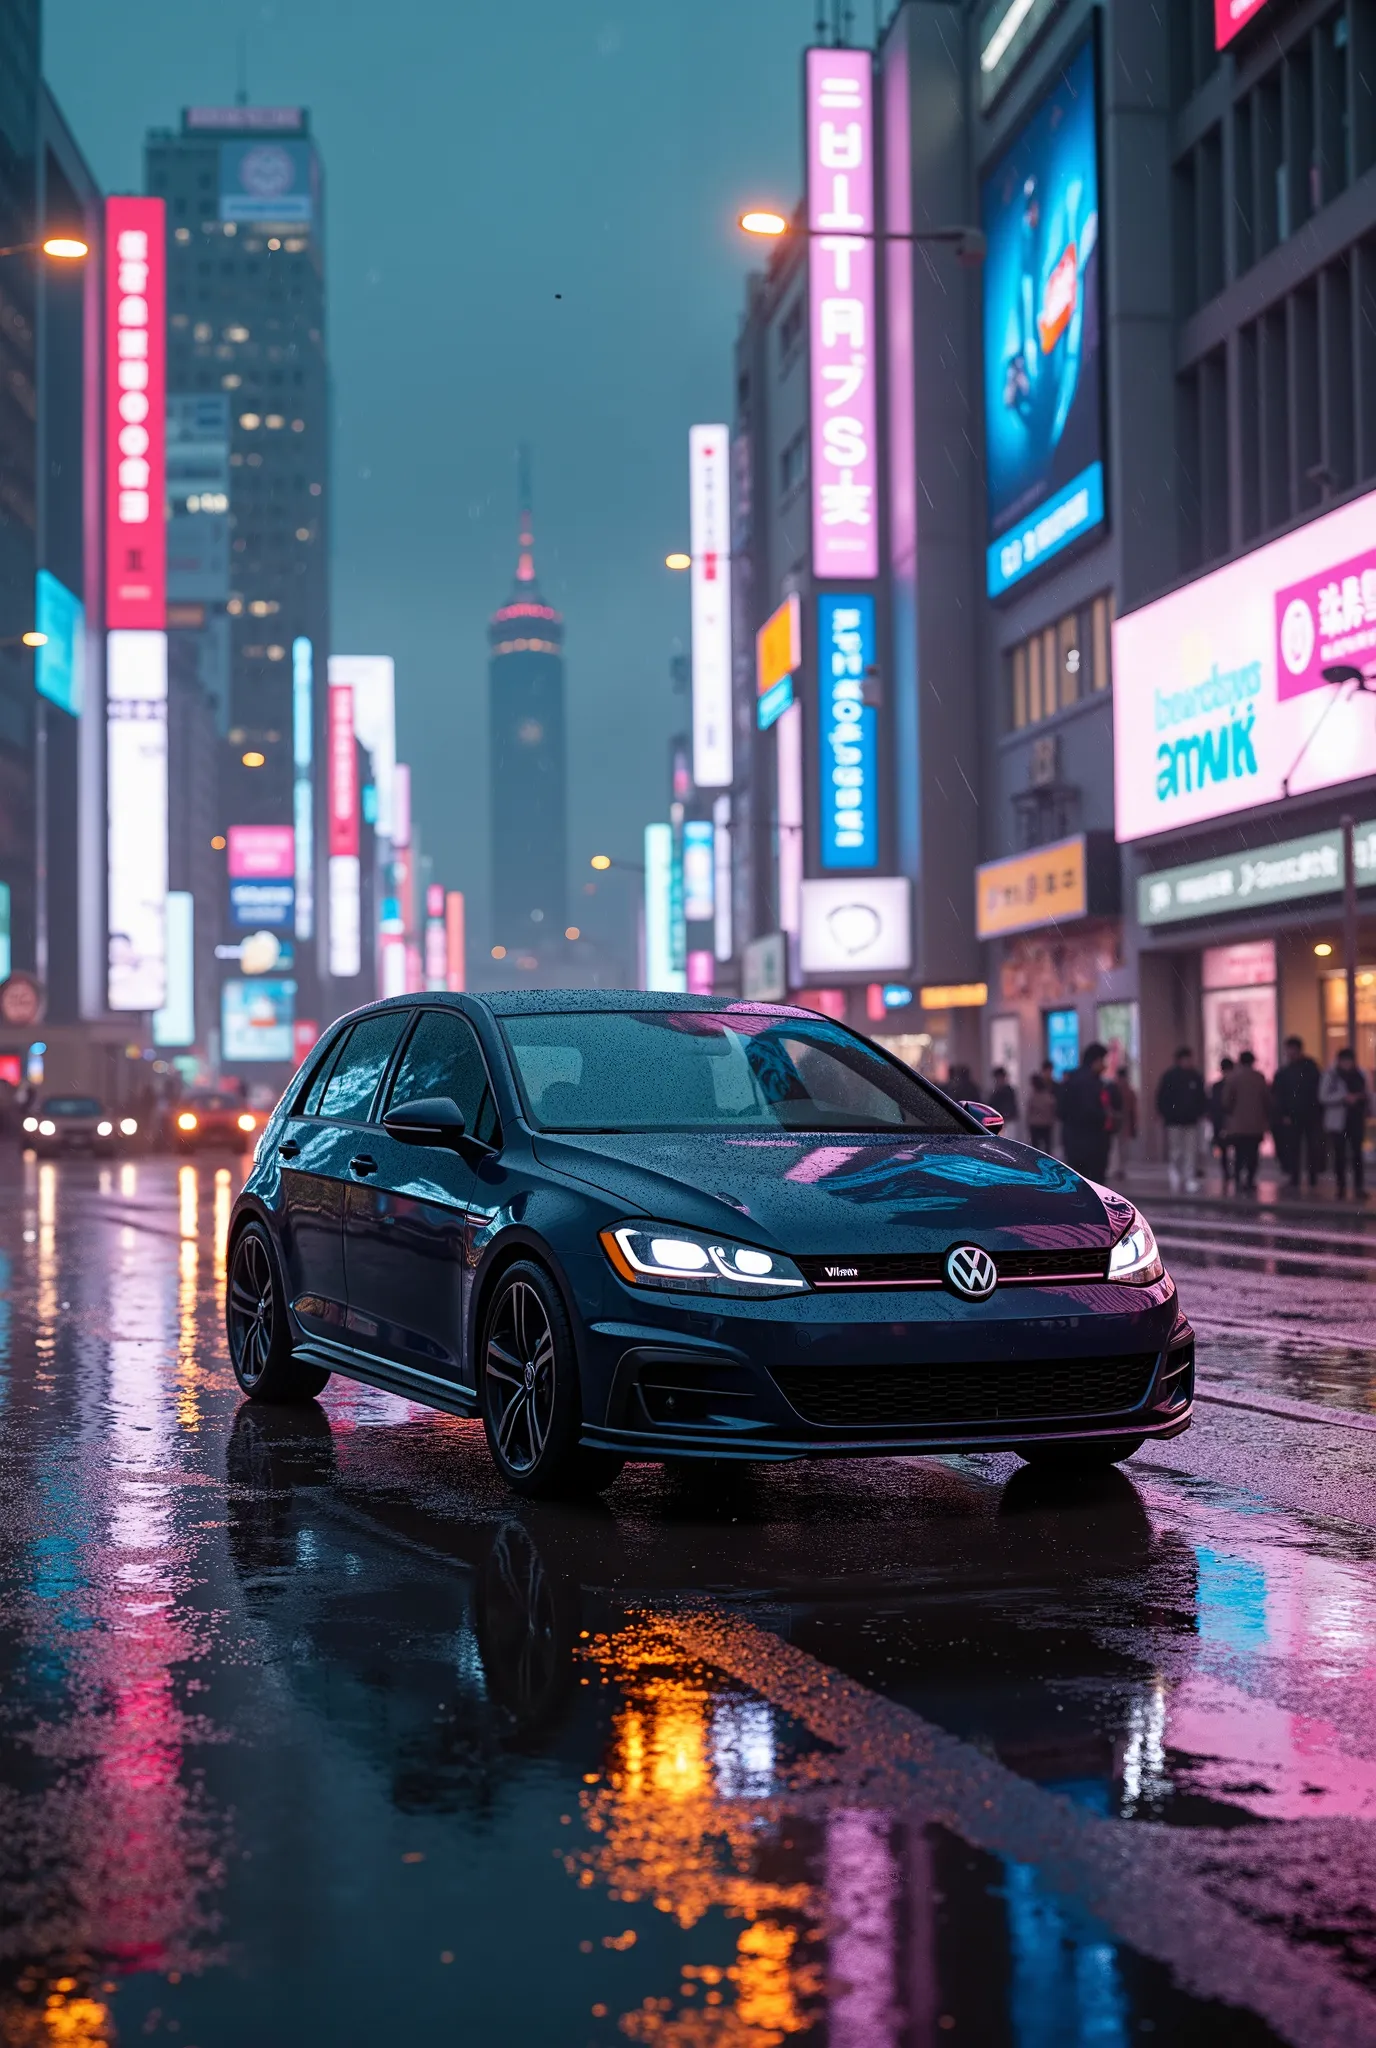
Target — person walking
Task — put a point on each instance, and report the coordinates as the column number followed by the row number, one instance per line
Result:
column 1246, row 1107
column 1181, row 1101
column 1086, row 1120
column 1003, row 1097
column 1345, row 1104
column 1298, row 1124
column 1041, row 1108
column 1219, row 1121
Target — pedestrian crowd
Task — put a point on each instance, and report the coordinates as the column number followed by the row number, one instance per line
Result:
column 1316, row 1117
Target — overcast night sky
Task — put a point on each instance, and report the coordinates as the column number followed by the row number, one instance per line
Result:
column 480, row 160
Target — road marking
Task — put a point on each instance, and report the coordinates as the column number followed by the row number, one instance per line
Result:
column 1156, row 1888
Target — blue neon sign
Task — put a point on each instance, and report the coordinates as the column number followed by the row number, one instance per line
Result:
column 847, row 750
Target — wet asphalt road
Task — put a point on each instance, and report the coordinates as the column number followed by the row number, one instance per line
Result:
column 310, row 1733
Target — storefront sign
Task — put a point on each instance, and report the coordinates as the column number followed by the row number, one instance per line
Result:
column 862, row 926
column 1050, row 886
column 840, row 209
column 847, row 741
column 1276, row 874
column 1232, row 15
column 779, row 645
column 1218, row 693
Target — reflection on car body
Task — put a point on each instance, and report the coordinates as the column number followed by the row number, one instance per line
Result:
column 635, row 1226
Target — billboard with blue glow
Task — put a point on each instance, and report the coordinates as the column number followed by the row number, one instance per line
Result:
column 1043, row 343
column 846, row 753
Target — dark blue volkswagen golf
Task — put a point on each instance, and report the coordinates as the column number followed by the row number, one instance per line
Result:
column 619, row 1225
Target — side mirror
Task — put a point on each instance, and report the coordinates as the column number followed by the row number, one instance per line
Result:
column 434, row 1120
column 990, row 1118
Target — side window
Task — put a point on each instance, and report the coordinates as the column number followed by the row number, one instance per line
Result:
column 315, row 1087
column 444, row 1058
column 352, row 1085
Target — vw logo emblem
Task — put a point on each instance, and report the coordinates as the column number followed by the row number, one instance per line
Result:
column 970, row 1272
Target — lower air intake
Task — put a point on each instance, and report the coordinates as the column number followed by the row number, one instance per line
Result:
column 935, row 1396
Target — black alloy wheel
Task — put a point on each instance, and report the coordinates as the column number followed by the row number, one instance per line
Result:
column 530, row 1396
column 256, row 1321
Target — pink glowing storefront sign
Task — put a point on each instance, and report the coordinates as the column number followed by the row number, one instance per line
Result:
column 1326, row 619
column 1218, row 691
column 261, row 853
column 840, row 207
column 135, row 413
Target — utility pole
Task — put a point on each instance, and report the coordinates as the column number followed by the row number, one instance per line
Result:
column 1348, row 829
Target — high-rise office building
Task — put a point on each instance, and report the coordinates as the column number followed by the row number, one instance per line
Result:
column 248, row 576
column 528, row 766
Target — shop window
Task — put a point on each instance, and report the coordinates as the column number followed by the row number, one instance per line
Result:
column 1060, row 666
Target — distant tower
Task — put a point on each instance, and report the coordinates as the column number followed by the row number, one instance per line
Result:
column 529, row 834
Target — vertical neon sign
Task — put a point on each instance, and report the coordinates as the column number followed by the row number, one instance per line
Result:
column 302, row 753
column 135, row 414
column 709, row 520
column 345, row 946
column 846, row 750
column 840, row 211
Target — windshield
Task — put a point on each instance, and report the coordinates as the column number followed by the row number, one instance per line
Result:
column 71, row 1105
column 712, row 1071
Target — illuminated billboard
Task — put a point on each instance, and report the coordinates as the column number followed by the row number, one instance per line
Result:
column 302, row 789
column 135, row 414
column 840, row 209
column 847, row 763
column 1043, row 345
column 258, row 853
column 1232, row 15
column 778, row 657
column 136, row 767
column 857, row 926
column 59, row 665
column 699, row 870
column 256, row 1020
column 345, row 906
column 372, row 677
column 1218, row 691
column 709, row 507
column 267, row 182
column 175, row 1023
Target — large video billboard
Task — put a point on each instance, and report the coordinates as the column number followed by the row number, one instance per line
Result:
column 1218, row 689
column 1043, row 346
column 840, row 213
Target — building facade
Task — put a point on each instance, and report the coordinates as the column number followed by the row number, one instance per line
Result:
column 1121, row 528
column 248, row 579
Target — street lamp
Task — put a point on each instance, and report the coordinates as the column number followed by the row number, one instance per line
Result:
column 63, row 248
column 678, row 560
column 25, row 640
column 1342, row 676
column 969, row 244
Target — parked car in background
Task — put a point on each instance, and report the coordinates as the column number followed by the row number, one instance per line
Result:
column 214, row 1117
column 76, row 1123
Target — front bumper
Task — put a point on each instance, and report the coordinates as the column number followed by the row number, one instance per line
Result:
column 792, row 1378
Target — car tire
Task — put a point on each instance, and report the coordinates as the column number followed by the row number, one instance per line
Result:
column 257, row 1327
column 1088, row 1457
column 529, row 1391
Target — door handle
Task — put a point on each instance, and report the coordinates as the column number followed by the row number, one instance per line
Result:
column 288, row 1149
column 362, row 1165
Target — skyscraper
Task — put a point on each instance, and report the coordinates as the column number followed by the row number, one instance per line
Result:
column 528, row 764
column 247, row 488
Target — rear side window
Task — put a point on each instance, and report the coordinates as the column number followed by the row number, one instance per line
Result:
column 361, row 1065
column 443, row 1058
column 310, row 1106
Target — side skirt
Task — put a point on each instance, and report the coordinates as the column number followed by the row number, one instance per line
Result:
column 390, row 1377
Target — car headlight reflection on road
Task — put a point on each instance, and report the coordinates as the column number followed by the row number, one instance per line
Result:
column 128, row 1125
column 47, row 1129
column 1135, row 1257
column 186, row 1121
column 105, row 1130
column 690, row 1261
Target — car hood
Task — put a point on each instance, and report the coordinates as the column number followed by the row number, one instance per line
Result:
column 845, row 1193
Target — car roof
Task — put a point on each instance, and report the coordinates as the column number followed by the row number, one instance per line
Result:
column 527, row 1002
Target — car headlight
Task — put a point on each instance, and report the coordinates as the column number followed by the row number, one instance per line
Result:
column 31, row 1123
column 128, row 1125
column 47, row 1129
column 692, row 1262
column 247, row 1121
column 105, row 1130
column 1135, row 1257
column 186, row 1121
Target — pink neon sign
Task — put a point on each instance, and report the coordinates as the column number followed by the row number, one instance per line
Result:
column 135, row 413
column 840, row 211
column 1230, row 16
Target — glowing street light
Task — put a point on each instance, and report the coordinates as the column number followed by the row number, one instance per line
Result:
column 34, row 639
column 66, row 248
column 762, row 222
column 601, row 861
column 678, row 560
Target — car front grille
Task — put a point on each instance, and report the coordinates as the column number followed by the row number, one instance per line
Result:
column 927, row 1269
column 922, row 1396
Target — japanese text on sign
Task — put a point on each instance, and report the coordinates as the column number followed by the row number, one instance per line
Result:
column 840, row 129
